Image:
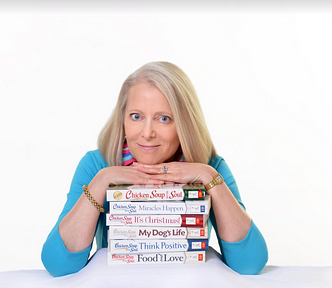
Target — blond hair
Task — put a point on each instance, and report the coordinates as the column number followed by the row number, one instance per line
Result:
column 193, row 134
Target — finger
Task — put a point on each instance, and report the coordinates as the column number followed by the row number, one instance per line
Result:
column 166, row 178
column 143, row 178
column 149, row 181
column 169, row 182
column 154, row 169
column 131, row 175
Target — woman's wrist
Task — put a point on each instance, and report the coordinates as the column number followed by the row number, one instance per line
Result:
column 208, row 175
column 99, row 184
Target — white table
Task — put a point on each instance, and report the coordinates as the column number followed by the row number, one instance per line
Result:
column 214, row 273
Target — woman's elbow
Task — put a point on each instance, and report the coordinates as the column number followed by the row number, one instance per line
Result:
column 253, row 263
column 58, row 264
column 254, row 268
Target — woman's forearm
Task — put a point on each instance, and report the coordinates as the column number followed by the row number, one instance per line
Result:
column 78, row 227
column 232, row 221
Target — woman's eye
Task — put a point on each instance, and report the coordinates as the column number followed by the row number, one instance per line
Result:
column 135, row 116
column 165, row 119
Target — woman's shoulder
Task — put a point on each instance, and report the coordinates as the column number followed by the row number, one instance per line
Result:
column 222, row 167
column 216, row 161
column 93, row 157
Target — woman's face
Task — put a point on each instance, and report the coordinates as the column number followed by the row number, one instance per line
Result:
column 149, row 125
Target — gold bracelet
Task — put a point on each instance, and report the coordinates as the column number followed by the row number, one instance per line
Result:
column 217, row 179
column 93, row 201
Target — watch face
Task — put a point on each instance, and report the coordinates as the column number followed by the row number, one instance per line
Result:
column 219, row 178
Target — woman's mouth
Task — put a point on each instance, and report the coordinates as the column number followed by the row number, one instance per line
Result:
column 148, row 147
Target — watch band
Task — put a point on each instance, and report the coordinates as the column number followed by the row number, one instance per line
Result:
column 217, row 179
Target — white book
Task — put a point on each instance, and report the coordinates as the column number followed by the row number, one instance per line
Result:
column 161, row 207
column 156, row 258
column 141, row 232
column 129, row 192
column 158, row 245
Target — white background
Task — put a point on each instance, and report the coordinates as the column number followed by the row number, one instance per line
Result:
column 263, row 75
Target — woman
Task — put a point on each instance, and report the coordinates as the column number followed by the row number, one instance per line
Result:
column 156, row 134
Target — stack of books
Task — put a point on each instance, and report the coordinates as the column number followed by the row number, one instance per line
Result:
column 157, row 223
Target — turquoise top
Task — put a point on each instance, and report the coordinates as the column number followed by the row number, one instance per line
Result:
column 247, row 256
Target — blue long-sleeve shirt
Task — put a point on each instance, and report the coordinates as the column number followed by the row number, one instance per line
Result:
column 247, row 256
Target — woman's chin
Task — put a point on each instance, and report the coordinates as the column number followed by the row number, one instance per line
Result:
column 148, row 162
column 152, row 160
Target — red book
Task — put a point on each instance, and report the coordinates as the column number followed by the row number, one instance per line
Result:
column 184, row 220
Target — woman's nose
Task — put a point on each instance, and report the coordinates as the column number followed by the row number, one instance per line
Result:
column 148, row 130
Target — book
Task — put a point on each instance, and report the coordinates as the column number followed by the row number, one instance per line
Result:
column 183, row 220
column 148, row 246
column 192, row 191
column 162, row 207
column 138, row 232
column 156, row 258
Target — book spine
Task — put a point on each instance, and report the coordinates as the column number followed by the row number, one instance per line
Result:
column 145, row 195
column 132, row 232
column 197, row 232
column 161, row 207
column 124, row 232
column 156, row 258
column 183, row 220
column 194, row 194
column 148, row 246
column 193, row 220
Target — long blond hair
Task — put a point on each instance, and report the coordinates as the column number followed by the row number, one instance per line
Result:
column 195, row 140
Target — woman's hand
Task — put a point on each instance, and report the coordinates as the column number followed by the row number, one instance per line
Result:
column 178, row 172
column 232, row 221
column 117, row 175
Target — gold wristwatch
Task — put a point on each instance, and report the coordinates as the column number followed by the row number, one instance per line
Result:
column 217, row 179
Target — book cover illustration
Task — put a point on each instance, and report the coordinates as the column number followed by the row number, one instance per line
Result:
column 156, row 258
column 161, row 207
column 192, row 191
column 138, row 232
column 183, row 220
column 148, row 246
